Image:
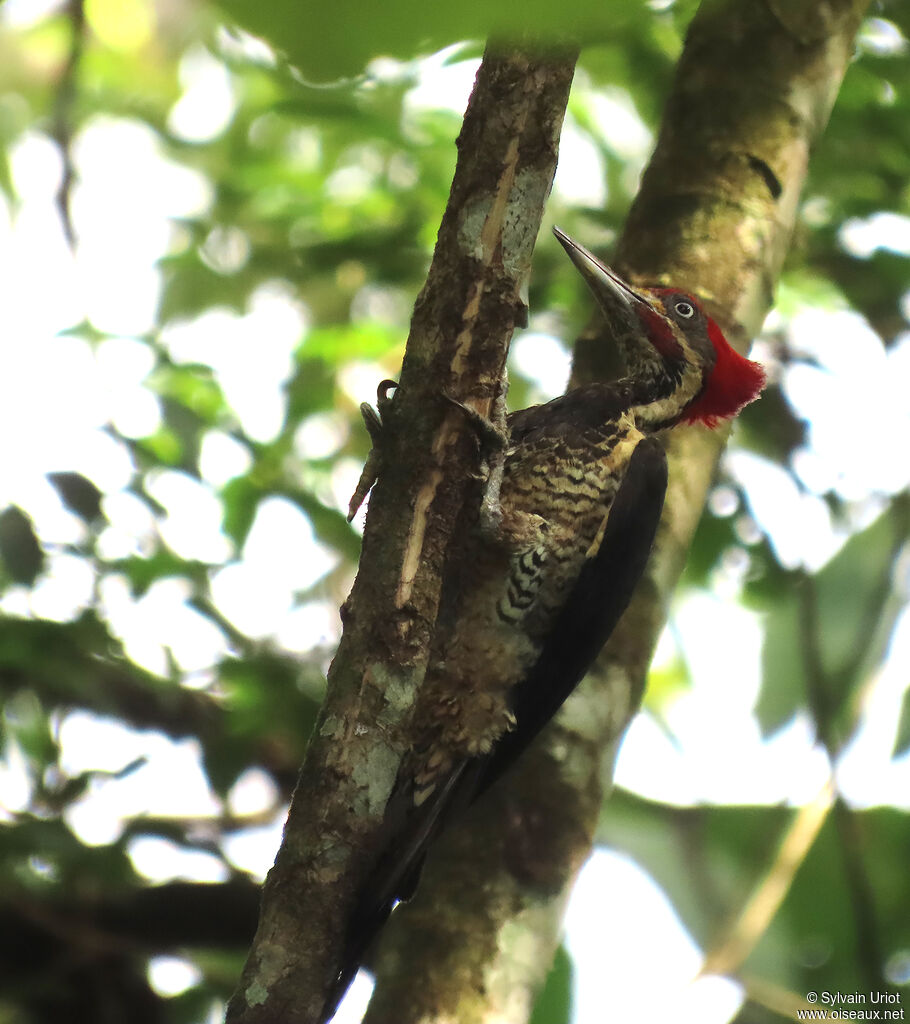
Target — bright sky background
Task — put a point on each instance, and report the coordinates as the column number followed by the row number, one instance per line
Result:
column 127, row 195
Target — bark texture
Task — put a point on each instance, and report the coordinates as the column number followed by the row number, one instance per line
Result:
column 715, row 214
column 462, row 324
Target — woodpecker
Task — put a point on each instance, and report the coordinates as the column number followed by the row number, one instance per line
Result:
column 551, row 566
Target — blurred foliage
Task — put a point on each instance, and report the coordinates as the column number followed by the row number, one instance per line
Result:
column 339, row 41
column 329, row 195
column 705, row 859
column 555, row 999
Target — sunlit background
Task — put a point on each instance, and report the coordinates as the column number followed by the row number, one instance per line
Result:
column 102, row 351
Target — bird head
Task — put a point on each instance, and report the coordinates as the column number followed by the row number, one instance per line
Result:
column 677, row 353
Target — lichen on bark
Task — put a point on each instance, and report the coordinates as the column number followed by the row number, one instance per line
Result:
column 463, row 321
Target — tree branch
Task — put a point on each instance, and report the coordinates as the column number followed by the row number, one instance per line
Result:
column 715, row 214
column 462, row 324
column 79, row 956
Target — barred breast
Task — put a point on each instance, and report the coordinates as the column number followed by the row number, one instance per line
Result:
column 555, row 498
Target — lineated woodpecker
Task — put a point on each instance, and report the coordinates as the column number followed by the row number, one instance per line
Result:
column 551, row 569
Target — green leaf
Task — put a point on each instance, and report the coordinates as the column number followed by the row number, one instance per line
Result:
column 76, row 868
column 729, row 845
column 342, row 342
column 338, row 40
column 902, row 739
column 190, row 288
column 311, row 389
column 783, row 689
column 329, row 525
column 709, row 861
column 79, row 494
column 241, row 498
column 273, row 701
column 27, row 721
column 162, row 447
column 79, row 665
column 191, row 1006
column 185, row 426
column 850, row 590
column 191, row 386
column 818, row 940
column 843, row 616
column 163, row 563
column 770, row 426
column 713, row 536
column 19, row 548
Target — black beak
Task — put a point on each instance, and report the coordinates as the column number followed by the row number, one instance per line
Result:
column 614, row 296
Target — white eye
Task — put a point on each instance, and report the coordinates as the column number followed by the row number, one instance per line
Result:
column 685, row 309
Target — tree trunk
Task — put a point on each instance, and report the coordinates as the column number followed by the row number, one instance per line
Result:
column 460, row 332
column 715, row 214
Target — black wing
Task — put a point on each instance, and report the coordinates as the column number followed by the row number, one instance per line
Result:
column 596, row 603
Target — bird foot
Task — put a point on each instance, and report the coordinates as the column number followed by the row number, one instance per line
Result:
column 493, row 436
column 372, row 419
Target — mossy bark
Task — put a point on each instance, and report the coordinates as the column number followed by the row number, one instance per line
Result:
column 459, row 337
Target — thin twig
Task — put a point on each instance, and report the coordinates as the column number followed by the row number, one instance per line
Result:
column 769, row 894
column 64, row 104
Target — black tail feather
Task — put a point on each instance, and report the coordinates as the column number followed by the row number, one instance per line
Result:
column 409, row 832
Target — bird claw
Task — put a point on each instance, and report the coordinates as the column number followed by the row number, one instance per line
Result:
column 493, row 436
column 488, row 432
column 382, row 393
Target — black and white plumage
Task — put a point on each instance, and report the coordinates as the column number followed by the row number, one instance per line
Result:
column 533, row 601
